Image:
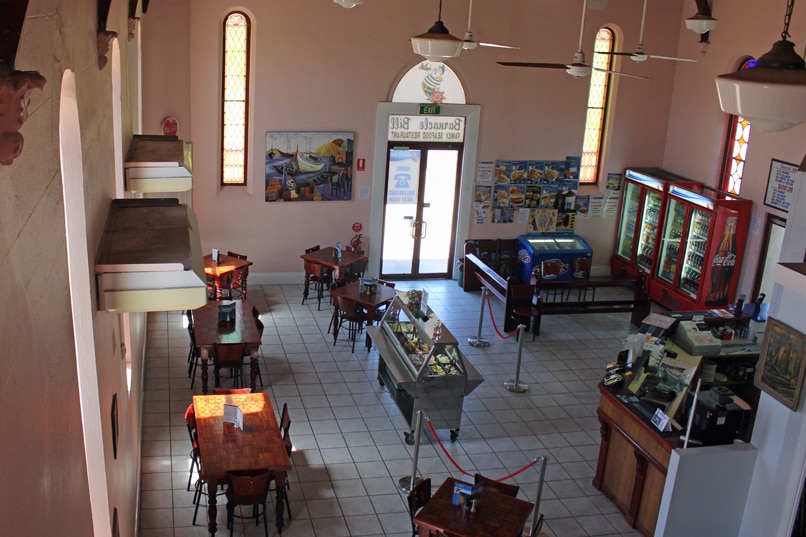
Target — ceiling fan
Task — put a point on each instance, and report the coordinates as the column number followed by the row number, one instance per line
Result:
column 468, row 42
column 577, row 68
column 640, row 56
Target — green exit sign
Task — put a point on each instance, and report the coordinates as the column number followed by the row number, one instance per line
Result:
column 429, row 110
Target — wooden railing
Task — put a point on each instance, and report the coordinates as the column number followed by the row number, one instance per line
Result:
column 562, row 293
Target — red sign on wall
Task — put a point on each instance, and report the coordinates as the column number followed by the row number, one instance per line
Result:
column 361, row 164
column 357, row 227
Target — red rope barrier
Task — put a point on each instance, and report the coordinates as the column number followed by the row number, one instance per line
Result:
column 502, row 336
column 513, row 474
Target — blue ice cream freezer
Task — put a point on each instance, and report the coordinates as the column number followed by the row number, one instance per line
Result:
column 554, row 257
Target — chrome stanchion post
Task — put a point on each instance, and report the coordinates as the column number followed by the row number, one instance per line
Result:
column 537, row 518
column 515, row 385
column 479, row 341
column 406, row 483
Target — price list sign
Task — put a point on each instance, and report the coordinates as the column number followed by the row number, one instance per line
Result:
column 780, row 184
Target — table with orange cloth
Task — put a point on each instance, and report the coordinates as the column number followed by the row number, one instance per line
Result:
column 224, row 448
column 496, row 514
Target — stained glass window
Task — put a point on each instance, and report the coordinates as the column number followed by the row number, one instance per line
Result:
column 597, row 107
column 736, row 148
column 235, row 99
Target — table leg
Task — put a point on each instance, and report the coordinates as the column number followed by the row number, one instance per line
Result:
column 205, row 358
column 279, row 504
column 212, row 488
column 253, row 370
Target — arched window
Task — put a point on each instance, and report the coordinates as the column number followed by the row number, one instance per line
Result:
column 597, row 107
column 736, row 148
column 235, row 99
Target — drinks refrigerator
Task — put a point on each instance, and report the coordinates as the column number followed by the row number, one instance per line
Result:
column 700, row 250
column 640, row 216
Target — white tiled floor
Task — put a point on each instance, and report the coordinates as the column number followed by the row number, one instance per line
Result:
column 348, row 433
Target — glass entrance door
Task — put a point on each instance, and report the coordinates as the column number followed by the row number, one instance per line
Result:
column 419, row 225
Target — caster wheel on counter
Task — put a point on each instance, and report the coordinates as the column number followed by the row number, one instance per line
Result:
column 409, row 438
column 454, row 434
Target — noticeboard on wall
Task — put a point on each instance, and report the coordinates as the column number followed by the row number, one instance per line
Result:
column 780, row 184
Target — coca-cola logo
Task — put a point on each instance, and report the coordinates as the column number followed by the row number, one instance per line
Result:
column 724, row 261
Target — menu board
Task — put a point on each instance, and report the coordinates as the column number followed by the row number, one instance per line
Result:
column 780, row 184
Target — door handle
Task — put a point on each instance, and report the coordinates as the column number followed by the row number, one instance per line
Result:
column 418, row 229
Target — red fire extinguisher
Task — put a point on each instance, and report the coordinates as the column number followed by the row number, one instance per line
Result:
column 355, row 242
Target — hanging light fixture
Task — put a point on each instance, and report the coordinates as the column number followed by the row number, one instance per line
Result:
column 700, row 23
column 348, row 3
column 437, row 44
column 771, row 95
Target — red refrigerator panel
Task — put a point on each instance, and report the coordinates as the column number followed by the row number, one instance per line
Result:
column 702, row 244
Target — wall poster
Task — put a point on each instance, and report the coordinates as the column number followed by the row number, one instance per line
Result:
column 780, row 184
column 309, row 166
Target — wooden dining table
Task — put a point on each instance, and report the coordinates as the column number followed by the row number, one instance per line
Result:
column 382, row 296
column 327, row 257
column 225, row 265
column 224, row 448
column 496, row 514
column 210, row 331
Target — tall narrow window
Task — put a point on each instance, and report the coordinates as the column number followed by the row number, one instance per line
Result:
column 235, row 95
column 736, row 148
column 597, row 107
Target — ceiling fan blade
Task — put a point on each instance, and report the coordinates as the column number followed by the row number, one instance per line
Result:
column 672, row 58
column 535, row 64
column 495, row 45
column 620, row 73
column 616, row 53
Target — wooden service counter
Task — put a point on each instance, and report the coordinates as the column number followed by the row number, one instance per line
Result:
column 633, row 459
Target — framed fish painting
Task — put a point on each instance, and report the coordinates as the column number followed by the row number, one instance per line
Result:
column 309, row 166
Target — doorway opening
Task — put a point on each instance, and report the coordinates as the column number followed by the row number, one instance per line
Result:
column 419, row 217
column 770, row 255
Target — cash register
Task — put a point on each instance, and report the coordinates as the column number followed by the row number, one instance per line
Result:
column 695, row 338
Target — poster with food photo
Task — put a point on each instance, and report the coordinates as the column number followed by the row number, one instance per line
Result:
column 482, row 197
column 534, row 172
column 553, row 170
column 517, row 195
column 542, row 221
column 501, row 196
column 532, row 196
column 502, row 170
column 517, row 172
column 548, row 196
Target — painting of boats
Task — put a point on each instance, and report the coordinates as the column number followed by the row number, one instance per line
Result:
column 309, row 166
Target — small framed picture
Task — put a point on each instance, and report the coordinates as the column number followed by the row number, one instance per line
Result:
column 781, row 364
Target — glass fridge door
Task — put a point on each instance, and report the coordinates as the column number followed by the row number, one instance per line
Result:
column 691, row 271
column 629, row 212
column 649, row 230
column 672, row 235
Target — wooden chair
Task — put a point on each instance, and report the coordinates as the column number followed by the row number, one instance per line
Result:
column 229, row 356
column 349, row 312
column 334, row 319
column 355, row 250
column 357, row 270
column 237, row 287
column 321, row 277
column 285, row 426
column 190, row 421
column 419, row 495
column 504, row 488
column 311, row 249
column 194, row 356
column 524, row 310
column 248, row 488
column 231, row 391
